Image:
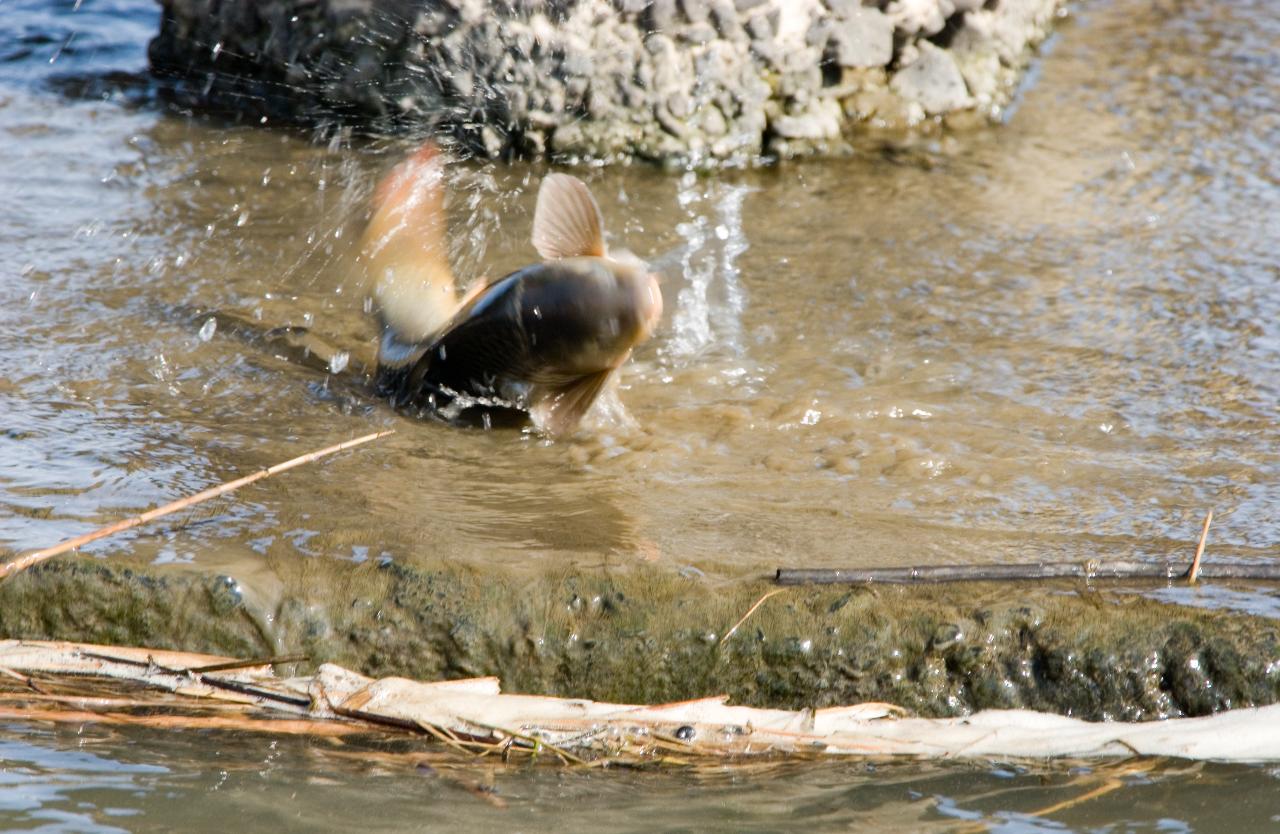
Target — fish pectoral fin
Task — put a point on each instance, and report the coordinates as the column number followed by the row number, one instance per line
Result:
column 558, row 410
column 566, row 220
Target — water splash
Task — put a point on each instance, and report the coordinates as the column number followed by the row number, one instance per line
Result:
column 709, row 310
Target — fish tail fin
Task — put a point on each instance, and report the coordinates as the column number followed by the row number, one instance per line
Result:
column 405, row 247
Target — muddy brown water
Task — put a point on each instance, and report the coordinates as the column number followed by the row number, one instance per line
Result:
column 1058, row 339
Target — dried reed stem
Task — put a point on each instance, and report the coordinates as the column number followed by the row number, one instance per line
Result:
column 1195, row 563
column 750, row 611
column 35, row 557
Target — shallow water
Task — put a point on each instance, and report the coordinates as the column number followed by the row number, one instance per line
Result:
column 1059, row 339
column 100, row 780
column 1055, row 340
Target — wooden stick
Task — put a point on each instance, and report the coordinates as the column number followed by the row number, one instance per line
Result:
column 750, row 611
column 1195, row 563
column 35, row 557
column 931, row 574
column 294, row 726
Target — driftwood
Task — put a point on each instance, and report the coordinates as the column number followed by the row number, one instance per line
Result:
column 475, row 717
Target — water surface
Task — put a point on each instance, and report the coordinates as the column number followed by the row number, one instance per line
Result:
column 1059, row 339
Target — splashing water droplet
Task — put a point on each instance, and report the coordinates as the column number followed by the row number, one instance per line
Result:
column 207, row 329
column 338, row 362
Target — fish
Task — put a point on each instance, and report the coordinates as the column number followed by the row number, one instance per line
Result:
column 537, row 345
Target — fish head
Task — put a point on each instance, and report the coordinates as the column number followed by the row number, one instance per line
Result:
column 633, row 276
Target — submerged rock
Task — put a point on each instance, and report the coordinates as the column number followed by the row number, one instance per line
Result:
column 693, row 79
column 647, row 636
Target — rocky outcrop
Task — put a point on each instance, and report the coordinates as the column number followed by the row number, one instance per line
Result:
column 662, row 79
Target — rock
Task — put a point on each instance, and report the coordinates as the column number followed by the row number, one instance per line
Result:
column 926, row 17
column 725, row 18
column 932, row 80
column 695, row 11
column 598, row 77
column 820, row 122
column 660, row 15
column 862, row 39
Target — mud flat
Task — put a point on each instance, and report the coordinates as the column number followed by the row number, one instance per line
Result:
column 640, row 636
column 662, row 79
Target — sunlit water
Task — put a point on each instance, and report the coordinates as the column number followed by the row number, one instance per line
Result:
column 1059, row 339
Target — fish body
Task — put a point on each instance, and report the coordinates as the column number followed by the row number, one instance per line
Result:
column 540, row 343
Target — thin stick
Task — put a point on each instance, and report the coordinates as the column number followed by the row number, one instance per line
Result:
column 37, row 556
column 1091, row 571
column 294, row 726
column 1195, row 563
column 750, row 611
column 246, row 664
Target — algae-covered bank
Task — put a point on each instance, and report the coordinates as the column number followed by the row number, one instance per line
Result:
column 645, row 637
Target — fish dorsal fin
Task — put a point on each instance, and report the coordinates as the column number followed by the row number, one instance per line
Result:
column 405, row 248
column 566, row 220
column 558, row 410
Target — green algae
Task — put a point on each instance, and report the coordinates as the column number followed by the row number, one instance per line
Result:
column 641, row 635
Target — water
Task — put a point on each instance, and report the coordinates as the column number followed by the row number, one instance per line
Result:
column 1055, row 340
column 99, row 780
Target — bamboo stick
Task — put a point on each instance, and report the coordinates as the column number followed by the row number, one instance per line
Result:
column 35, row 557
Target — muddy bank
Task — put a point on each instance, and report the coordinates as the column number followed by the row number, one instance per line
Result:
column 651, row 78
column 641, row 636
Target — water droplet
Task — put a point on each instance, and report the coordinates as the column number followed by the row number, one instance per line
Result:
column 207, row 329
column 338, row 362
column 722, row 232
column 811, row 417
